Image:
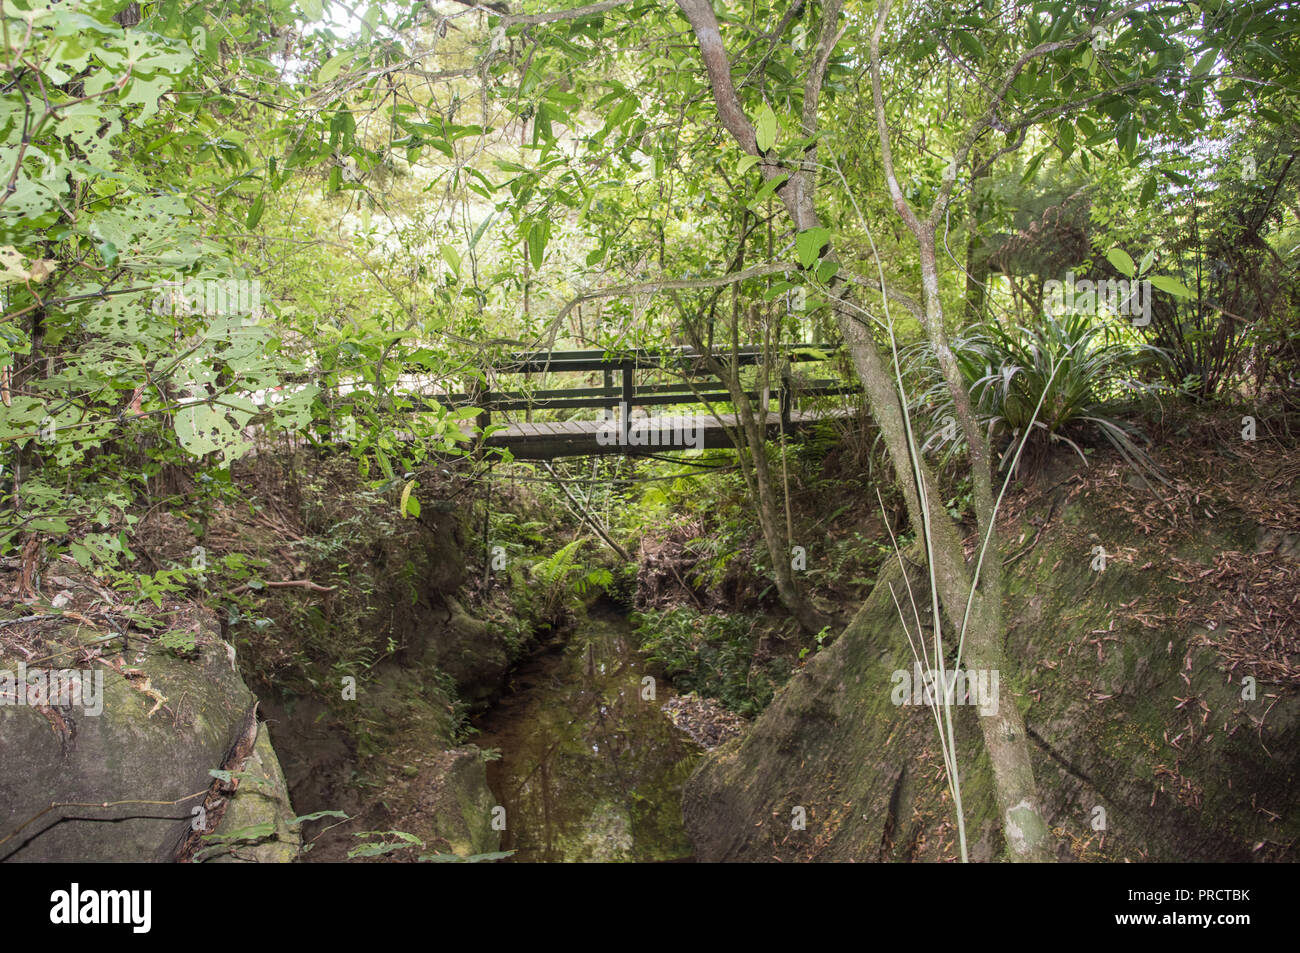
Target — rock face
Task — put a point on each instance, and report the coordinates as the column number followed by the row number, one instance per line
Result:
column 165, row 722
column 469, row 650
column 399, row 738
column 453, row 804
column 832, row 770
column 255, row 826
column 1147, row 743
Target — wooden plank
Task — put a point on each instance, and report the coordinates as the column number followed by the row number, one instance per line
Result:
column 578, row 437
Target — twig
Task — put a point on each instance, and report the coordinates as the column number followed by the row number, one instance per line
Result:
column 101, row 804
column 286, row 584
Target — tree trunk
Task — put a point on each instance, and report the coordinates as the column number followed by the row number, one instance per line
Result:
column 1004, row 733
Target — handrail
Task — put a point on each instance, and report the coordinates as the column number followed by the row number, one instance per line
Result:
column 538, row 362
column 626, row 394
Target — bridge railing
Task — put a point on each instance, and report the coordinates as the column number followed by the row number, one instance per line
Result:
column 699, row 385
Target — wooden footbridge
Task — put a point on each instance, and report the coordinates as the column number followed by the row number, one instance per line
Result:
column 681, row 379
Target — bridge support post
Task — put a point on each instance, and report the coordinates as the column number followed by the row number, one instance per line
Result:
column 629, row 391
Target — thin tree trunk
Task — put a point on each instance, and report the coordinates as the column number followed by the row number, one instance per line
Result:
column 1004, row 733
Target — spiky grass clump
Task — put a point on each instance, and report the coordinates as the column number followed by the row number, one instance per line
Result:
column 1077, row 369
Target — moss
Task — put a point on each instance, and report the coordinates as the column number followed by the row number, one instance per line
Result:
column 1114, row 701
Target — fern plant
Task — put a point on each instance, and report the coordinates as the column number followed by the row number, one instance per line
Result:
column 561, row 581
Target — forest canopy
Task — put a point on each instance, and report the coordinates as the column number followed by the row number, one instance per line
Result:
column 225, row 225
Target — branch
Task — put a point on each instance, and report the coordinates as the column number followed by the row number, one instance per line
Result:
column 509, row 19
column 827, row 40
column 286, row 584
column 906, row 300
column 674, row 284
column 882, row 125
column 699, row 13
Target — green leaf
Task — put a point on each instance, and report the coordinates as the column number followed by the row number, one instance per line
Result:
column 452, row 257
column 1148, row 190
column 809, row 244
column 768, row 187
column 333, row 66
column 374, row 850
column 1206, row 62
column 1032, row 168
column 203, row 429
column 1066, row 140
column 255, row 213
column 1170, row 285
column 827, row 270
column 539, row 233
column 765, row 128
column 315, row 816
column 969, row 44
column 747, row 163
column 1122, row 262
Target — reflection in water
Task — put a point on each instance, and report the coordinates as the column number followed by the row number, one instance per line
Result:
column 589, row 770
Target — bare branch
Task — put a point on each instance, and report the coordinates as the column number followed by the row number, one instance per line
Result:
column 882, row 126
column 535, row 19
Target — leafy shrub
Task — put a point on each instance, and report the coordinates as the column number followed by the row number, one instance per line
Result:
column 710, row 654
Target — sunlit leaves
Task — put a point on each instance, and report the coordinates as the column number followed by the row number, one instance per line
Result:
column 334, row 65
column 539, row 234
column 1122, row 261
column 1170, row 285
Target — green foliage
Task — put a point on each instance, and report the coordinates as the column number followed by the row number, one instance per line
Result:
column 379, row 843
column 712, row 655
column 1059, row 379
column 489, row 857
column 178, row 642
column 248, row 836
column 560, row 582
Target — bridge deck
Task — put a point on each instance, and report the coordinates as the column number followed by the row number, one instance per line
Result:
column 575, row 438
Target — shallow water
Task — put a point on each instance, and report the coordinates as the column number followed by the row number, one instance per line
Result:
column 589, row 770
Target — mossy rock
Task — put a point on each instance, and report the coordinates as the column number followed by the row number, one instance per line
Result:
column 166, row 722
column 1126, row 712
column 833, row 770
column 454, row 804
column 255, row 826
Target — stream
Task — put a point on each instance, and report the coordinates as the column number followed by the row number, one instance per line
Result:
column 589, row 771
